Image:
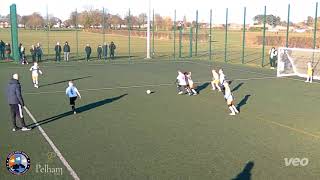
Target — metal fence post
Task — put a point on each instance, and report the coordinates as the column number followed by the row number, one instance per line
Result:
column 77, row 33
column 288, row 23
column 226, row 37
column 244, row 33
column 264, row 35
column 174, row 35
column 197, row 32
column 180, row 42
column 103, row 26
column 129, row 35
column 315, row 27
column 48, row 29
column 152, row 32
column 190, row 45
column 210, row 35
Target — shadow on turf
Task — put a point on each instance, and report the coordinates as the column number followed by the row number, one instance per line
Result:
column 243, row 101
column 79, row 110
column 237, row 87
column 67, row 80
column 202, row 87
column 245, row 174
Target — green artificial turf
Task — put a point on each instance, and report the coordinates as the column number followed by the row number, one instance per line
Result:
column 120, row 132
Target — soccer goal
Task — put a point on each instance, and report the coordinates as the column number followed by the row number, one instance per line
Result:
column 293, row 62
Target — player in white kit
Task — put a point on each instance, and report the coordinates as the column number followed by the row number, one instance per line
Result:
column 35, row 70
column 229, row 98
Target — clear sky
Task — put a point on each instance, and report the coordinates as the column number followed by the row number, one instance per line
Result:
column 300, row 9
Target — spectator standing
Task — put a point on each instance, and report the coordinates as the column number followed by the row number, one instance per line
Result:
column 20, row 53
column 2, row 47
column 66, row 51
column 39, row 52
column 99, row 51
column 273, row 53
column 88, row 51
column 7, row 51
column 105, row 51
column 112, row 47
column 33, row 53
column 57, row 49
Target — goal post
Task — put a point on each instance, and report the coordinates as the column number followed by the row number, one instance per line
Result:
column 293, row 62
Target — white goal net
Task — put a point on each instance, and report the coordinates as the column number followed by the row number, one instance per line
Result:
column 293, row 62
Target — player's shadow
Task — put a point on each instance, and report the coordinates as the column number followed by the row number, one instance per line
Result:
column 79, row 110
column 67, row 80
column 243, row 101
column 237, row 87
column 245, row 174
column 202, row 87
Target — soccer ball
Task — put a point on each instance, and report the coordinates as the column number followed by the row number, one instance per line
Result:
column 148, row 92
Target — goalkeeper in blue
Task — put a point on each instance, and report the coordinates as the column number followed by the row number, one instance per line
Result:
column 73, row 93
column 229, row 98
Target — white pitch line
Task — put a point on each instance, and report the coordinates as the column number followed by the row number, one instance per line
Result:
column 139, row 86
column 55, row 149
column 94, row 63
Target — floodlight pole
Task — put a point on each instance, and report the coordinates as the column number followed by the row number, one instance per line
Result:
column 148, row 30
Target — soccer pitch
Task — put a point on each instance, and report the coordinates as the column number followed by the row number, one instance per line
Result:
column 120, row 132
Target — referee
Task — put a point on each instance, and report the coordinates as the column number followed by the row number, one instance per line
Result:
column 16, row 103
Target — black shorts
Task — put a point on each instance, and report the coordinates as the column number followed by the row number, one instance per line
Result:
column 73, row 100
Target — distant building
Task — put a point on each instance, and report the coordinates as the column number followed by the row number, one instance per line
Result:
column 4, row 23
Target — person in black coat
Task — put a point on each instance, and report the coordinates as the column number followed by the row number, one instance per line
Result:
column 16, row 103
column 39, row 52
column 88, row 51
column 2, row 47
column 105, row 51
column 99, row 51
column 20, row 52
column 112, row 47
column 57, row 49
column 66, row 51
column 7, row 51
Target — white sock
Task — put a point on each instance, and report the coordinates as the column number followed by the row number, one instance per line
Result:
column 194, row 91
column 235, row 109
column 36, row 82
column 231, row 109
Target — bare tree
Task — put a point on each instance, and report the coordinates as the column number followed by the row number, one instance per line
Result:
column 86, row 19
column 142, row 19
column 73, row 20
column 35, row 21
column 116, row 21
column 53, row 21
column 24, row 20
column 158, row 21
column 167, row 21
